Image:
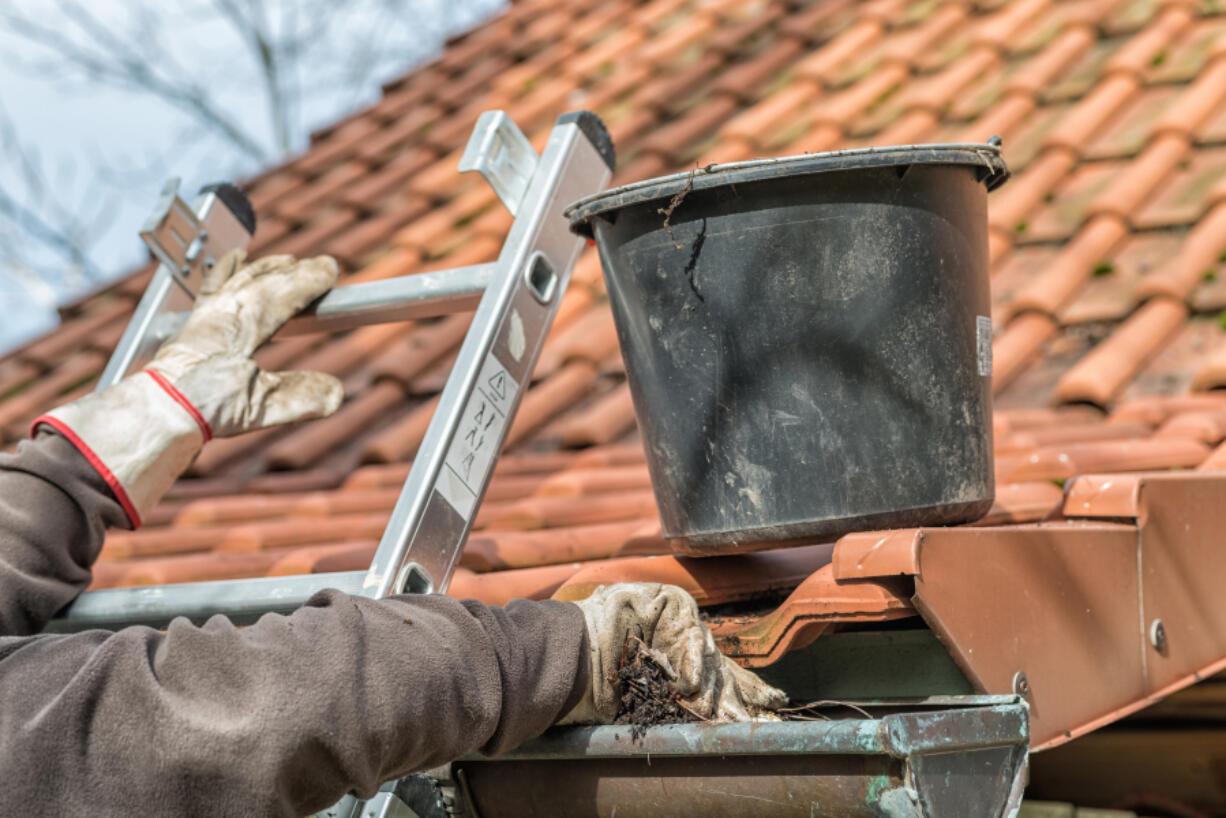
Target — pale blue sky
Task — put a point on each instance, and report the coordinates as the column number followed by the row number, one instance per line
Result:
column 105, row 151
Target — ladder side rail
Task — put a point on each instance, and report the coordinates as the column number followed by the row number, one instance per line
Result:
column 137, row 340
column 444, row 488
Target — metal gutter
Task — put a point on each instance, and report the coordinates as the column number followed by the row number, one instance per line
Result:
column 913, row 759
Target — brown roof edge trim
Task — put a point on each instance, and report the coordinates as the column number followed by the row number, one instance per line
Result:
column 875, row 554
column 1103, row 496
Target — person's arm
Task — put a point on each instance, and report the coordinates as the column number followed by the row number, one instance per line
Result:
column 280, row 718
column 283, row 717
column 54, row 507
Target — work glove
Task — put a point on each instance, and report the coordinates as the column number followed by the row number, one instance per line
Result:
column 143, row 432
column 666, row 619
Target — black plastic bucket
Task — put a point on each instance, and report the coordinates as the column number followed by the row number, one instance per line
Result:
column 807, row 340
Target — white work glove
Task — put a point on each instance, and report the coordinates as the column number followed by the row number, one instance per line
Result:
column 143, row 432
column 666, row 619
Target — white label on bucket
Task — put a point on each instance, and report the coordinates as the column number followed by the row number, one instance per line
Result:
column 476, row 443
column 983, row 342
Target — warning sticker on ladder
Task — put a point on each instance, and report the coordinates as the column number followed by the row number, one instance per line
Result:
column 476, row 443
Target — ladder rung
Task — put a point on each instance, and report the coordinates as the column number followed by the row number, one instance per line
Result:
column 422, row 295
column 242, row 600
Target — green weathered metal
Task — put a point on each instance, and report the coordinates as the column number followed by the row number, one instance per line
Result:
column 993, row 721
column 919, row 758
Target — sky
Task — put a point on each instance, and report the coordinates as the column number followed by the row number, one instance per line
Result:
column 98, row 153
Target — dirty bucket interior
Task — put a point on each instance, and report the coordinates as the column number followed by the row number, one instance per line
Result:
column 807, row 340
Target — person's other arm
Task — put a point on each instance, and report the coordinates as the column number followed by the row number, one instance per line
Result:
column 54, row 507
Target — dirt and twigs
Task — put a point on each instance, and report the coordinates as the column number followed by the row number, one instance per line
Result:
column 648, row 697
column 813, row 711
column 674, row 203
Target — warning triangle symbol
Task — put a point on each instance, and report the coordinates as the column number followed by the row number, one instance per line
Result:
column 498, row 385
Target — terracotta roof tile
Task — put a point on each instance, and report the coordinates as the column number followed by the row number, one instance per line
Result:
column 553, row 512
column 1199, row 251
column 1209, row 427
column 433, row 230
column 1019, row 198
column 1184, row 198
column 523, row 583
column 322, row 559
column 1053, row 288
column 390, row 178
column 498, row 551
column 736, row 30
column 315, row 235
column 592, row 336
column 712, row 582
column 221, row 452
column 744, row 79
column 1127, row 133
column 1112, row 293
column 15, row 374
column 434, row 378
column 346, row 354
column 1064, row 462
column 924, row 36
column 821, row 64
column 410, row 353
column 1021, row 441
column 849, row 103
column 1185, row 59
column 330, row 147
column 53, row 348
column 1102, row 374
column 604, row 420
column 300, row 205
column 756, row 122
column 1090, row 114
column 1156, row 410
column 549, row 397
column 49, row 391
column 1138, row 54
column 400, row 440
column 674, row 141
column 1022, row 503
column 1141, row 177
column 355, row 244
column 310, row 442
column 1017, row 344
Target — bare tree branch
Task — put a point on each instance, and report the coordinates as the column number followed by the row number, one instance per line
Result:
column 69, row 235
column 240, row 83
column 115, row 61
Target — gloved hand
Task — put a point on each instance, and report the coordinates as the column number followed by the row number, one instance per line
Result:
column 143, row 432
column 666, row 618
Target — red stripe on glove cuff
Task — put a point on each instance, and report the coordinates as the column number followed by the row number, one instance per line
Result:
column 105, row 473
column 205, row 429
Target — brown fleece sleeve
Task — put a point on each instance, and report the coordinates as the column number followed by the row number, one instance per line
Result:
column 280, row 718
column 54, row 509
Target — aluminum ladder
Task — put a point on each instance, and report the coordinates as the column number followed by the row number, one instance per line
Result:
column 516, row 298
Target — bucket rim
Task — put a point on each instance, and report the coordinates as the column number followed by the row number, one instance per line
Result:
column 983, row 155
